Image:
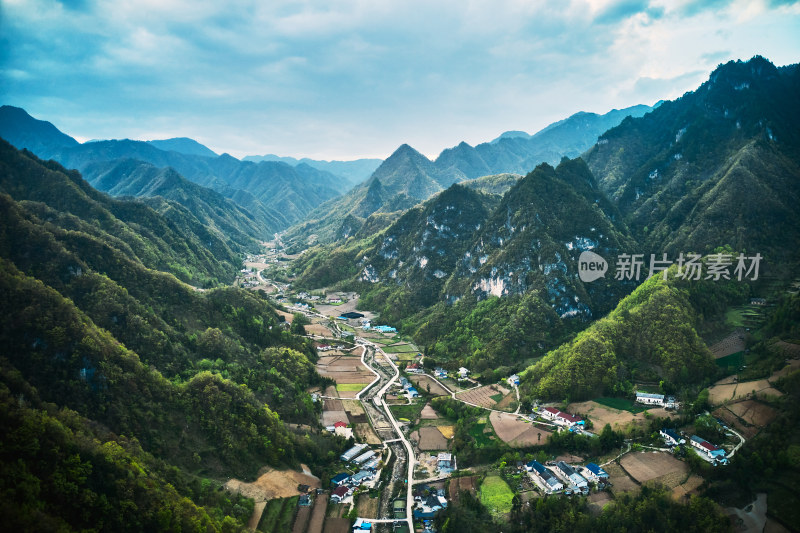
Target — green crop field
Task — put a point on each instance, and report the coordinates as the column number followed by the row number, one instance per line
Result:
column 496, row 496
column 400, row 348
column 350, row 387
column 623, row 404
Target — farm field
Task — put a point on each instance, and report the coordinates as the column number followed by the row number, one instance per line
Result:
column 318, row 514
column 496, row 495
column 687, row 488
column 731, row 344
column 336, row 525
column 278, row 515
column 655, row 466
column 350, row 387
column 345, row 370
column 273, row 484
column 747, row 417
column 486, row 396
column 458, row 484
column 516, row 432
column 423, row 382
column 400, row 348
column 428, row 413
column 367, row 507
column 721, row 392
column 620, row 480
column 602, row 413
column 621, row 404
column 317, row 329
column 429, row 438
column 301, row 520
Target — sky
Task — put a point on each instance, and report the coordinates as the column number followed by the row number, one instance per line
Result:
column 357, row 78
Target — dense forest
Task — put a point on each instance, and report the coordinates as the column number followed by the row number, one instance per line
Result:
column 132, row 393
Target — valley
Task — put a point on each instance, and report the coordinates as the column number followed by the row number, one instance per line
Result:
column 190, row 341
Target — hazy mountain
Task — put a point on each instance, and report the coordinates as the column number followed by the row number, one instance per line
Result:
column 276, row 194
column 354, row 172
column 717, row 166
column 24, row 131
column 128, row 177
column 183, row 145
column 411, row 174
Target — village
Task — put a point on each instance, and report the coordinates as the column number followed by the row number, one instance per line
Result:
column 401, row 469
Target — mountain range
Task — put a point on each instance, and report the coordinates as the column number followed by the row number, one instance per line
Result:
column 408, row 176
column 715, row 170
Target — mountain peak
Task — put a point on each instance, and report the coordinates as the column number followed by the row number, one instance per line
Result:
column 24, row 131
column 183, row 145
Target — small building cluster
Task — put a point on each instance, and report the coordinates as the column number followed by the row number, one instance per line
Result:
column 574, row 478
column 513, row 380
column 595, row 473
column 661, row 400
column 409, row 389
column 550, row 481
column 713, row 453
column 428, row 501
column 439, row 373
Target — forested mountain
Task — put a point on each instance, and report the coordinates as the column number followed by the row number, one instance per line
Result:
column 276, row 194
column 24, row 131
column 120, row 383
column 407, row 174
column 183, row 145
column 354, row 172
column 721, row 165
column 431, row 267
column 232, row 223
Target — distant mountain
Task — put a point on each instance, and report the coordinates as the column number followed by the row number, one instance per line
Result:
column 411, row 174
column 718, row 166
column 354, row 172
column 24, row 131
column 183, row 145
column 128, row 177
column 276, row 194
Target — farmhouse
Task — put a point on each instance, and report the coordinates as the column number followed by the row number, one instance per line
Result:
column 656, row 399
column 304, row 501
column 362, row 525
column 372, row 464
column 549, row 413
column 562, row 419
column 671, row 438
column 361, row 477
column 569, row 473
column 340, row 494
column 712, row 452
column 352, row 452
column 595, row 473
column 385, row 329
column 414, row 368
column 566, row 419
column 439, row 372
column 550, row 481
column 340, row 479
column 413, row 393
column 513, row 380
column 463, row 373
column 446, row 462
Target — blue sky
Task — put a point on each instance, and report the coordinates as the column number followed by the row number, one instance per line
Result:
column 346, row 79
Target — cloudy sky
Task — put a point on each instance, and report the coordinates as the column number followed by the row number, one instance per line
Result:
column 357, row 78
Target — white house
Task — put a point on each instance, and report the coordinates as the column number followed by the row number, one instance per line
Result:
column 463, row 372
column 671, row 438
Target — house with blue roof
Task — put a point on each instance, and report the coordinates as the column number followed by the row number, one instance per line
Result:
column 671, row 438
column 594, row 472
column 340, row 479
column 551, row 482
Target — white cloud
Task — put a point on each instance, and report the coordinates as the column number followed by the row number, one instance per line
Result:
column 349, row 78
